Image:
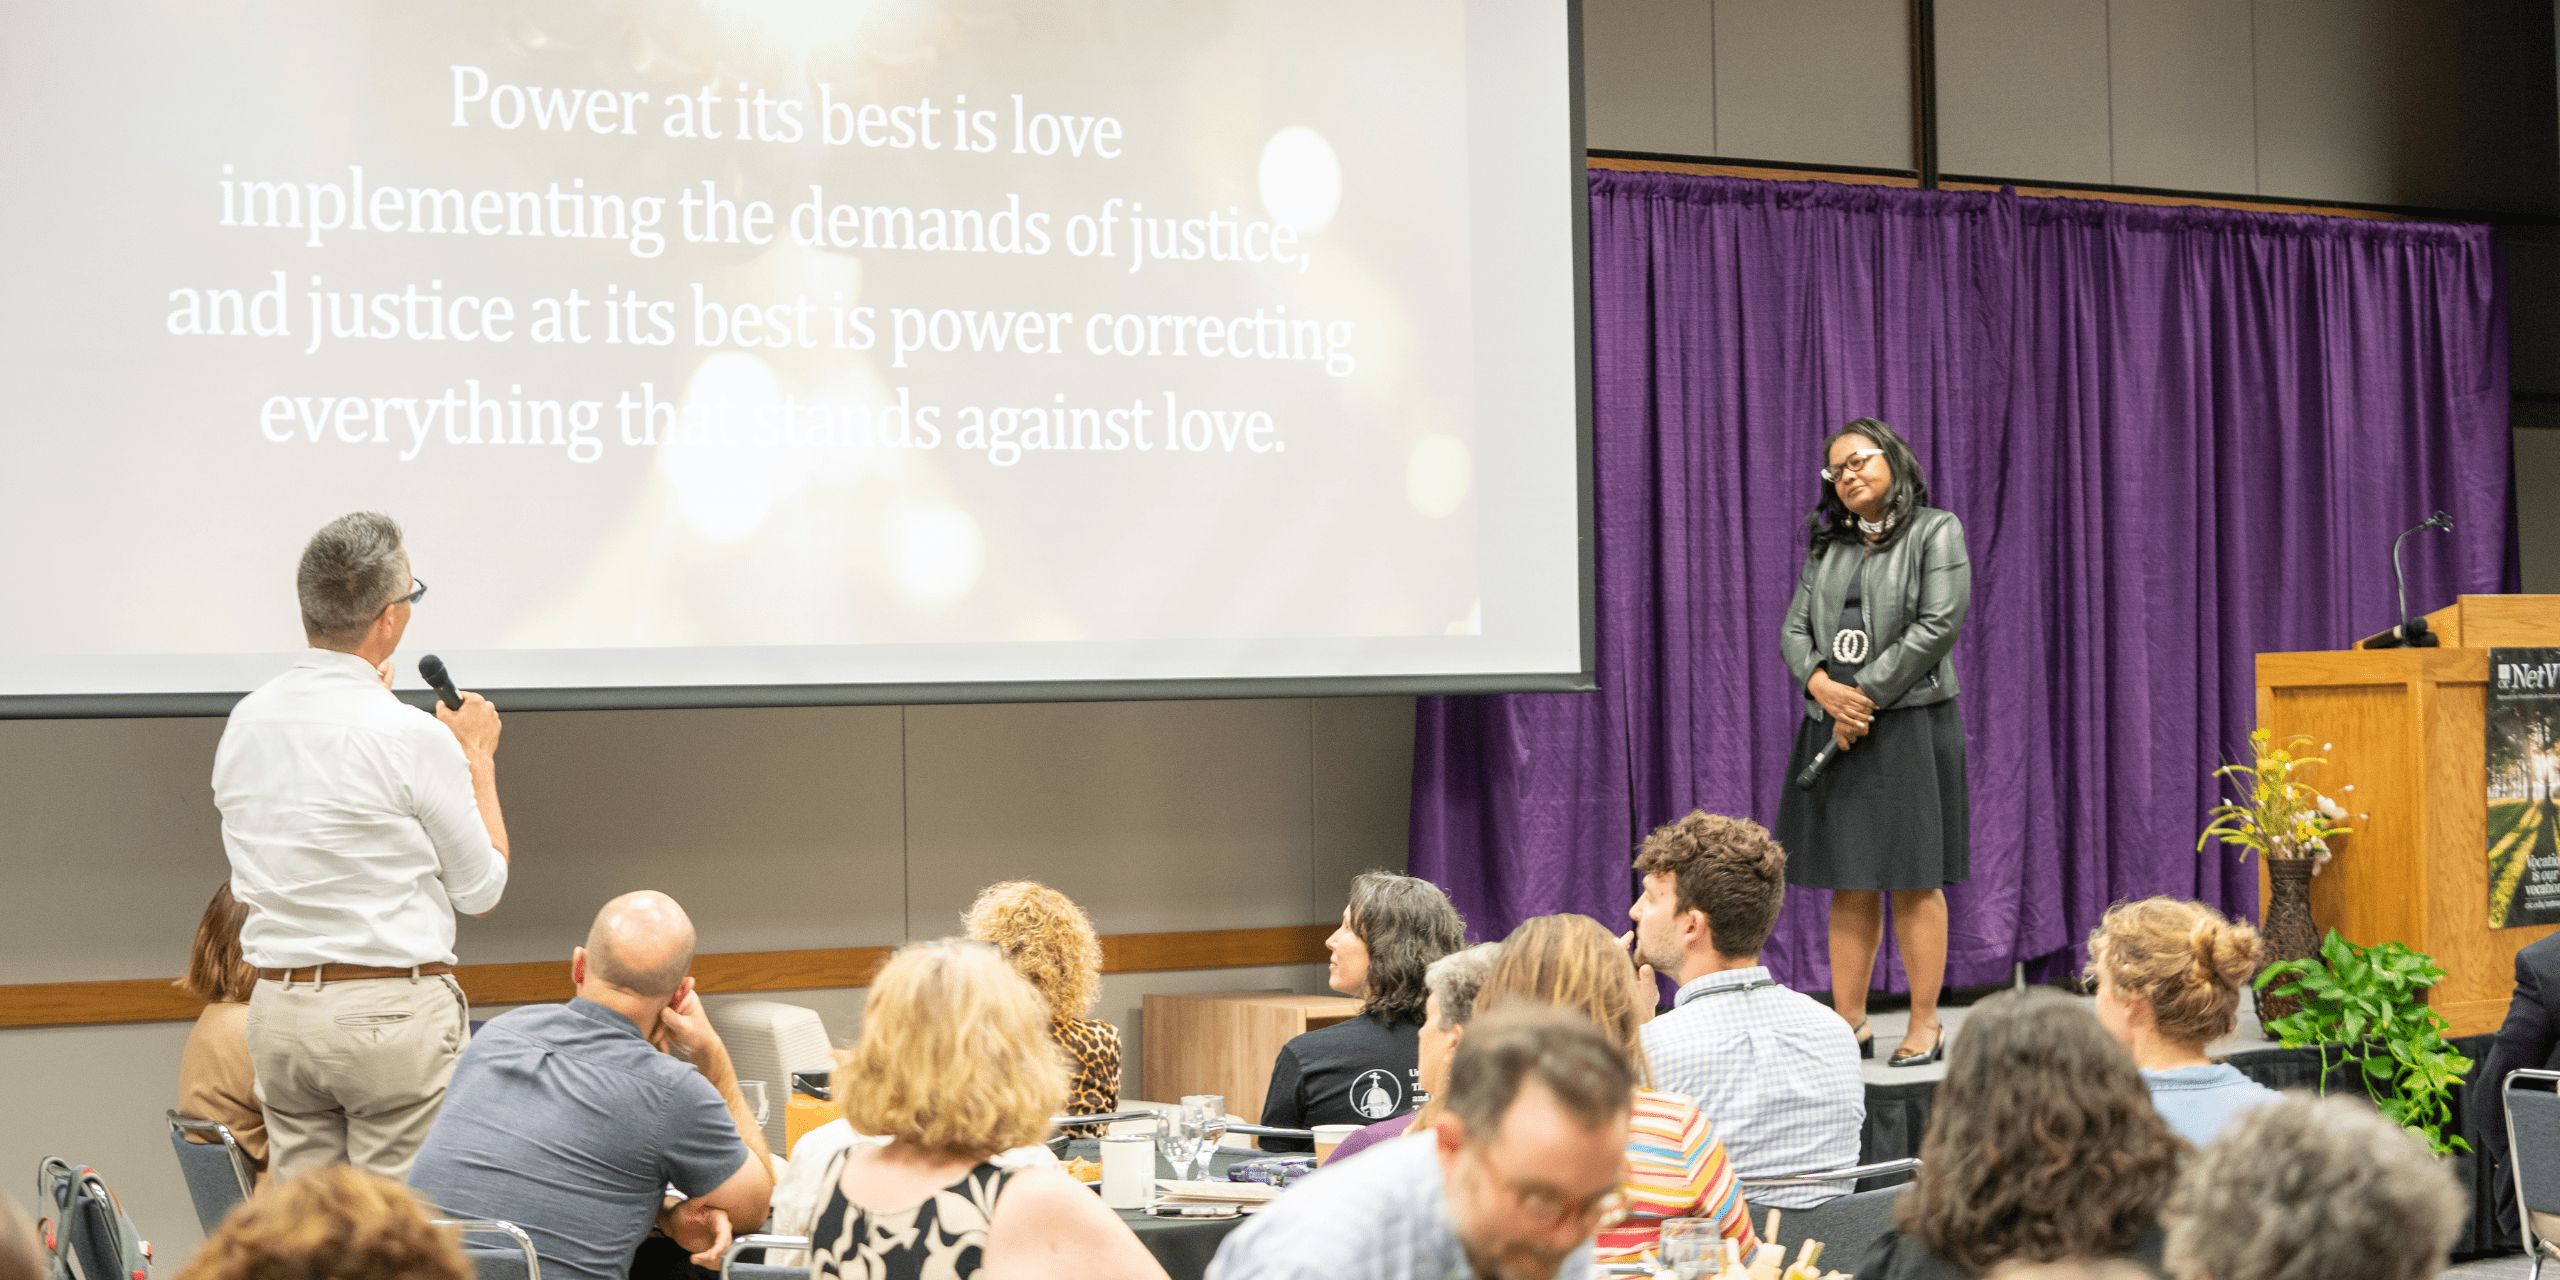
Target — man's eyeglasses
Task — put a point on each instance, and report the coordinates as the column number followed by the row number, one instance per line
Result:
column 1854, row 462
column 1544, row 1206
column 412, row 597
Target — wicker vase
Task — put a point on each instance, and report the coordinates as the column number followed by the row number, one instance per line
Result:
column 2288, row 932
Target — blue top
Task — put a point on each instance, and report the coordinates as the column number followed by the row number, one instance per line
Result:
column 1384, row 1216
column 2198, row 1101
column 562, row 1120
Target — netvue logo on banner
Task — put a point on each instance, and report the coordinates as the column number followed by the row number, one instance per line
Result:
column 2524, row 783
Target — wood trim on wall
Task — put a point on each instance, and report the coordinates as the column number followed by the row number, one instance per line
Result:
column 2041, row 193
column 74, row 1004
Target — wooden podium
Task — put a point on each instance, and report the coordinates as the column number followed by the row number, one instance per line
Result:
column 2407, row 728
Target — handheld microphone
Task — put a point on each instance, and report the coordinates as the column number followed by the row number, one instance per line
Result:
column 2412, row 632
column 1812, row 771
column 431, row 668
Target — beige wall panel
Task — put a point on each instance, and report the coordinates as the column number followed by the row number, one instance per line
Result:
column 1648, row 76
column 778, row 829
column 2022, row 89
column 2183, row 105
column 2394, row 103
column 112, row 844
column 97, row 1096
column 1363, row 793
column 1156, row 816
column 1814, row 81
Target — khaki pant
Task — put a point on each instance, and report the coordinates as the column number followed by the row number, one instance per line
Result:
column 354, row 1071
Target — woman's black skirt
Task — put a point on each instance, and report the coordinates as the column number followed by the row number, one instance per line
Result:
column 1889, row 814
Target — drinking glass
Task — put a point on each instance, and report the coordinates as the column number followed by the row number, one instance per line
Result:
column 754, row 1091
column 1212, row 1110
column 1178, row 1139
column 1691, row 1247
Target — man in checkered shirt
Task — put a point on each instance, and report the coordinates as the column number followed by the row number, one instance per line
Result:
column 1775, row 1071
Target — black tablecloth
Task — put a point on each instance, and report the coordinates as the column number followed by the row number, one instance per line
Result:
column 1898, row 1114
column 1183, row 1246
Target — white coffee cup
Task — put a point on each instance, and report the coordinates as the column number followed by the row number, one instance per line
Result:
column 1128, row 1170
column 1329, row 1136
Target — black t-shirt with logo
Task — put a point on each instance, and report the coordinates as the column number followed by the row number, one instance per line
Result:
column 1358, row 1072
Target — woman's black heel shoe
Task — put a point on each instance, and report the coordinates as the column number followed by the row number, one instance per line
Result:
column 1866, row 1040
column 1936, row 1050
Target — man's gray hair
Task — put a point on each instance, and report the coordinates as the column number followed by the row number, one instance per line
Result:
column 350, row 570
column 2313, row 1187
column 1454, row 980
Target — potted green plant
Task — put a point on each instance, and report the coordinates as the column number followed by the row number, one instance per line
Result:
column 2368, row 1004
column 2290, row 824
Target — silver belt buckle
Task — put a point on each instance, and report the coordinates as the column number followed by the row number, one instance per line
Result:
column 1850, row 645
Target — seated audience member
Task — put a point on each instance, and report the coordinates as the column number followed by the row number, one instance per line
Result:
column 2042, row 1146
column 215, row 1080
column 336, row 1222
column 1366, row 1069
column 2314, row 1187
column 1524, row 1162
column 1675, row 1166
column 1776, row 1071
column 1452, row 981
column 2169, row 975
column 1049, row 941
column 2530, row 1038
column 955, row 1065
column 570, row 1121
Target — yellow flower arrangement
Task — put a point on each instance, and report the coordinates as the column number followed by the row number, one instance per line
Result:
column 2276, row 815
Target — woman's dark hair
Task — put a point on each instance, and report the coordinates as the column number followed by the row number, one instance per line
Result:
column 2042, row 1142
column 1831, row 520
column 1406, row 923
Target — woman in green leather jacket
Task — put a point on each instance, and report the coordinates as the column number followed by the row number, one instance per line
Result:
column 1885, row 588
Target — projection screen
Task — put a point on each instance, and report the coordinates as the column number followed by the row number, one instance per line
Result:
column 771, row 353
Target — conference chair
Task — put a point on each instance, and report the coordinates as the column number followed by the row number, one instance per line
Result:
column 217, row 1173
column 1849, row 1226
column 2533, row 1147
column 518, row 1263
column 732, row 1269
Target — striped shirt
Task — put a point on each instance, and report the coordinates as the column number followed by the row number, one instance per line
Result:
column 1776, row 1072
column 1675, row 1169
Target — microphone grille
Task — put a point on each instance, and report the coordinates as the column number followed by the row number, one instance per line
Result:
column 431, row 668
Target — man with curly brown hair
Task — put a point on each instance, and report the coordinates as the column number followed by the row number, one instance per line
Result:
column 1776, row 1072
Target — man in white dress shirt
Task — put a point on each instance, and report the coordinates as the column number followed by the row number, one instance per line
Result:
column 1776, row 1071
column 356, row 827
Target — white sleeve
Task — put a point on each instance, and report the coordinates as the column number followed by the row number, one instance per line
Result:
column 474, row 874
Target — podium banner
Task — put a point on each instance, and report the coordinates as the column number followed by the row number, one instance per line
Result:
column 2524, row 784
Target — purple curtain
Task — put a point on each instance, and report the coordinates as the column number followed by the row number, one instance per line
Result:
column 2176, row 437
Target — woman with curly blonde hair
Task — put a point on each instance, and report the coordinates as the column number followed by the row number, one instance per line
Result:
column 336, row 1222
column 953, row 1066
column 1049, row 940
column 2168, row 976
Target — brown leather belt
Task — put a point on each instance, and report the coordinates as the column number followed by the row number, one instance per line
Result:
column 352, row 972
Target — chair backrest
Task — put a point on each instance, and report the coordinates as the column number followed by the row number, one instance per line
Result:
column 512, row 1261
column 768, row 1041
column 1848, row 1228
column 2533, row 1136
column 83, row 1224
column 217, row 1173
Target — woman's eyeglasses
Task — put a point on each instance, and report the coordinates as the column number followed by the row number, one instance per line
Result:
column 1854, row 462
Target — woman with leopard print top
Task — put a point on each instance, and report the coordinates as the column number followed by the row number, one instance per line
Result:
column 1049, row 940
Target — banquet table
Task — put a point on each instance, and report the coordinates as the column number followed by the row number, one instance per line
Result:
column 1183, row 1246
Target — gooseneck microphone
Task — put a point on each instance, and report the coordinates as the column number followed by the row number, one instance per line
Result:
column 431, row 668
column 2412, row 632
